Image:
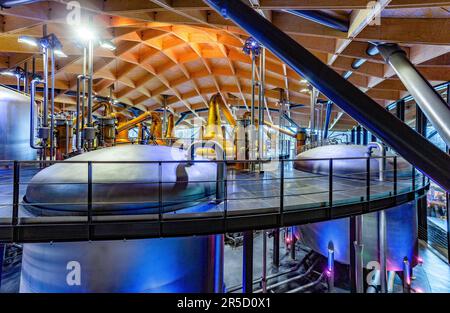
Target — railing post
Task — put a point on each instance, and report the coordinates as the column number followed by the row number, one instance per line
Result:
column 281, row 192
column 160, row 197
column 330, row 187
column 15, row 209
column 395, row 175
column 368, row 182
column 225, row 202
column 89, row 200
column 413, row 178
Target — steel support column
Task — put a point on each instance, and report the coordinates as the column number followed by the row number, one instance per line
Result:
column 429, row 100
column 327, row 119
column 247, row 263
column 400, row 110
column 382, row 249
column 353, row 136
column 358, row 134
column 414, row 148
column 353, row 238
column 276, row 248
column 365, row 136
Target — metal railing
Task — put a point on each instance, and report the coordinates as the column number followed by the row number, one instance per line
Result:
column 277, row 194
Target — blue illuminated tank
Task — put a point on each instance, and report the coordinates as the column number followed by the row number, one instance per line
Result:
column 401, row 221
column 186, row 264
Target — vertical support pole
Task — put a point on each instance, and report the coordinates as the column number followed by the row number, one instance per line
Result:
column 264, row 262
column 293, row 242
column 447, row 195
column 382, row 249
column 52, row 105
column 330, row 267
column 368, row 182
column 281, row 191
column 400, row 110
column 261, row 103
column 276, row 248
column 45, row 100
column 16, row 191
column 358, row 134
column 395, row 175
column 312, row 125
column 327, row 119
column 252, row 108
column 2, row 257
column 365, row 137
column 160, row 195
column 353, row 135
column 422, row 218
column 247, row 268
column 90, row 200
column 359, row 260
column 330, row 187
column 352, row 236
column 215, row 263
column 406, row 275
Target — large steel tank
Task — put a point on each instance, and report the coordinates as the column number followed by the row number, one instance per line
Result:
column 15, row 126
column 401, row 234
column 401, row 221
column 121, row 188
column 185, row 264
column 355, row 168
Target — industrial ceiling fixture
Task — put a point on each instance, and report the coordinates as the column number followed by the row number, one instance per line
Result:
column 17, row 72
column 47, row 42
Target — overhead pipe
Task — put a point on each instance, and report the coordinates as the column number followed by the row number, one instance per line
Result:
column 431, row 103
column 141, row 118
column 13, row 3
column 413, row 147
column 322, row 18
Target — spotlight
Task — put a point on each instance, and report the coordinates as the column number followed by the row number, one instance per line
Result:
column 86, row 34
column 251, row 46
column 106, row 44
column 28, row 40
column 305, row 90
column 347, row 74
column 8, row 73
column 304, row 81
column 357, row 63
column 59, row 53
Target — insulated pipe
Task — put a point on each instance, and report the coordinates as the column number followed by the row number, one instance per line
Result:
column 45, row 96
column 321, row 18
column 32, row 104
column 90, row 81
column 414, row 148
column 381, row 160
column 52, row 106
column 431, row 103
column 261, row 103
column 77, row 117
column 382, row 250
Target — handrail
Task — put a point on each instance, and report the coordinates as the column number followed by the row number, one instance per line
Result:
column 274, row 215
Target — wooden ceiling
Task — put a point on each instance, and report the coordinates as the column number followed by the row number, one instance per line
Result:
column 183, row 49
